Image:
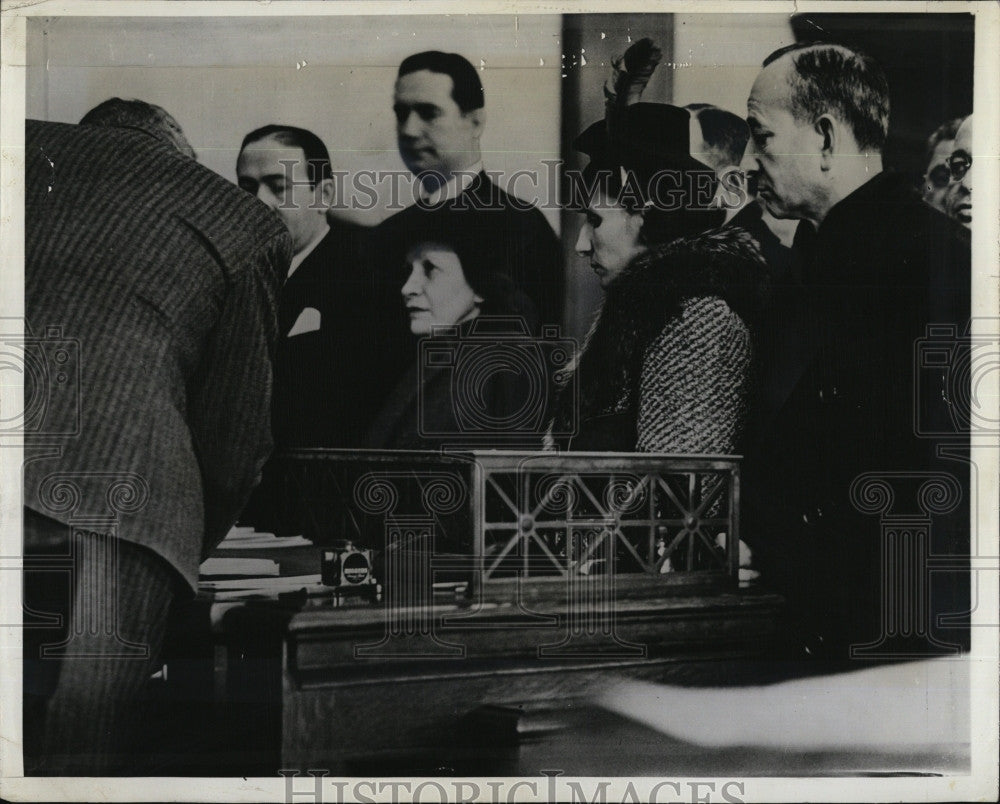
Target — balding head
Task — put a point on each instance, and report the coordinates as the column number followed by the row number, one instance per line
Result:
column 835, row 80
column 154, row 120
column 818, row 117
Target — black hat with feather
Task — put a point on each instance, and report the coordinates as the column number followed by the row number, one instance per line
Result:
column 640, row 154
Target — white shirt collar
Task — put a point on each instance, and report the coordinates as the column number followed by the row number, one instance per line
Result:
column 298, row 258
column 456, row 185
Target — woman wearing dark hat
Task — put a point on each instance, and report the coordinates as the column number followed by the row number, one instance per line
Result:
column 458, row 297
column 666, row 366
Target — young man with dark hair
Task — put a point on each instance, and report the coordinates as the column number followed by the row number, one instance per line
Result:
column 325, row 386
column 467, row 89
column 440, row 117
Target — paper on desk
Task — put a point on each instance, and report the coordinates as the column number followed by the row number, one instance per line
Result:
column 246, row 538
column 264, row 544
column 264, row 585
column 252, row 567
column 302, row 583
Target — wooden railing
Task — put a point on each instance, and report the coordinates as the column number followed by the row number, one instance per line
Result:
column 505, row 514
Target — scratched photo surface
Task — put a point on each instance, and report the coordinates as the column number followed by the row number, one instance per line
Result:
column 602, row 404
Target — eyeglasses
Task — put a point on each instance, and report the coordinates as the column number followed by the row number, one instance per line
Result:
column 959, row 165
column 939, row 176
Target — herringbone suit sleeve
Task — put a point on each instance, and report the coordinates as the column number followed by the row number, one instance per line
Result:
column 231, row 405
column 166, row 276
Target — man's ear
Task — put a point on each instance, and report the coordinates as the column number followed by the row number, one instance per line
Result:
column 829, row 132
column 478, row 119
column 327, row 192
column 637, row 218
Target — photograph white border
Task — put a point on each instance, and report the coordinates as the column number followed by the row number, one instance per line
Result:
column 980, row 784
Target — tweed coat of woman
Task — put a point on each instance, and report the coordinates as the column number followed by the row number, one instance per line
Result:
column 667, row 364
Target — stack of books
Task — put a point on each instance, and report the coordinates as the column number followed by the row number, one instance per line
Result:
column 226, row 578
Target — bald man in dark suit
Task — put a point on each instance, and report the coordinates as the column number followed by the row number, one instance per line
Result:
column 162, row 279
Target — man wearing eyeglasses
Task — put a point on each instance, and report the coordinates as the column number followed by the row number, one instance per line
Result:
column 937, row 175
column 959, row 198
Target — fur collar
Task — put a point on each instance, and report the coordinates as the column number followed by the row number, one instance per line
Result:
column 724, row 262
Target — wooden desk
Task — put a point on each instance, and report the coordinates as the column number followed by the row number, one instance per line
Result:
column 344, row 686
column 501, row 709
column 349, row 710
column 277, row 683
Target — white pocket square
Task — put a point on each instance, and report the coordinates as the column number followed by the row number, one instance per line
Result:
column 308, row 321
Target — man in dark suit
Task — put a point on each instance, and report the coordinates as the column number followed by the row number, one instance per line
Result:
column 327, row 383
column 151, row 292
column 841, row 448
column 440, row 117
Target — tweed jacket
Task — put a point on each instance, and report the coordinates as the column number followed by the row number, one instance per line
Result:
column 151, row 294
column 666, row 366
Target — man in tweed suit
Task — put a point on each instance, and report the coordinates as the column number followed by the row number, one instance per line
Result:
column 166, row 277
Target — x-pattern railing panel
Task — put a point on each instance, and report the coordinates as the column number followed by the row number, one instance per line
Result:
column 649, row 515
column 535, row 514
